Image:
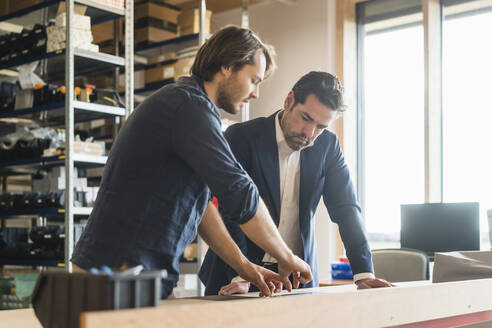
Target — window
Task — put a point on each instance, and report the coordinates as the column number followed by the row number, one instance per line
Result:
column 391, row 114
column 467, row 106
column 391, row 118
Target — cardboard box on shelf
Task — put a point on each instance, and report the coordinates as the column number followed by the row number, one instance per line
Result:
column 57, row 35
column 155, row 22
column 16, row 5
column 80, row 21
column 182, row 67
column 187, row 52
column 153, row 34
column 102, row 81
column 174, row 2
column 4, row 7
column 88, row 148
column 159, row 73
column 78, row 9
column 162, row 58
column 105, row 31
column 158, row 10
column 189, row 21
column 138, row 81
column 102, row 127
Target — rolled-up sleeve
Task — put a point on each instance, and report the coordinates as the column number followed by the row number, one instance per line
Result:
column 198, row 140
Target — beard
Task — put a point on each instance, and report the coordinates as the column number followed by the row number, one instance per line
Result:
column 225, row 102
column 298, row 141
column 295, row 141
column 228, row 95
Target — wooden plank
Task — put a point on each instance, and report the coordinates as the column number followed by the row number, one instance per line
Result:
column 432, row 66
column 328, row 306
column 23, row 318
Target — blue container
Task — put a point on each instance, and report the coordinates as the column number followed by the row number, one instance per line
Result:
column 341, row 270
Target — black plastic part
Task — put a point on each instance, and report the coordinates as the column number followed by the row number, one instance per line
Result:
column 60, row 297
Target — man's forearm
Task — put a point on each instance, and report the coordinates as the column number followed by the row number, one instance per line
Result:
column 263, row 232
column 215, row 234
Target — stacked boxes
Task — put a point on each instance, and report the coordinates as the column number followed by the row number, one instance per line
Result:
column 4, row 8
column 16, row 5
column 189, row 22
column 102, row 33
column 182, row 67
column 82, row 33
column 155, row 21
column 160, row 68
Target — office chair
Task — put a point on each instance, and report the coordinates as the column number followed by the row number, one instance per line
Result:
column 400, row 264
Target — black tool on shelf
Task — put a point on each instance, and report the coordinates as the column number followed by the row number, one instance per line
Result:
column 35, row 200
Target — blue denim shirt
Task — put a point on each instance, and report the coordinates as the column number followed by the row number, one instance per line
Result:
column 168, row 158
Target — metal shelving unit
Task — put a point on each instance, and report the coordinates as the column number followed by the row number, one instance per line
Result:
column 45, row 212
column 32, row 262
column 70, row 104
column 85, row 58
column 156, row 49
column 83, row 112
column 67, row 64
column 32, row 165
column 98, row 12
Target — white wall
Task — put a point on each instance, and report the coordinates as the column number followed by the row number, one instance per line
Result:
column 303, row 35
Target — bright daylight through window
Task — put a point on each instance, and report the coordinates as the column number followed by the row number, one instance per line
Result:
column 467, row 111
column 391, row 111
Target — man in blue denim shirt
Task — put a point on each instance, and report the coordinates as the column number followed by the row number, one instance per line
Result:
column 168, row 159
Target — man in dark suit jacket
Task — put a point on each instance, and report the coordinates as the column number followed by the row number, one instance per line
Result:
column 294, row 160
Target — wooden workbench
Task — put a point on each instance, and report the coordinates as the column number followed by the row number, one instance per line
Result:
column 415, row 304
column 409, row 305
column 22, row 318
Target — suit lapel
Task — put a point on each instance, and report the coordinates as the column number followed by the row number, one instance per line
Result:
column 268, row 150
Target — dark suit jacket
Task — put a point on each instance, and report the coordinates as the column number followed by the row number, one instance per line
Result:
column 323, row 172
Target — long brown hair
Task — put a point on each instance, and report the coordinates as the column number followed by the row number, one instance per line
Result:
column 233, row 47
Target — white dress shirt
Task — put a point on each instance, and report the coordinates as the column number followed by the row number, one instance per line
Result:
column 289, row 226
column 289, row 161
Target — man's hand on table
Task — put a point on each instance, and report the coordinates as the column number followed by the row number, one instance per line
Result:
column 301, row 272
column 372, row 283
column 237, row 287
column 267, row 281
